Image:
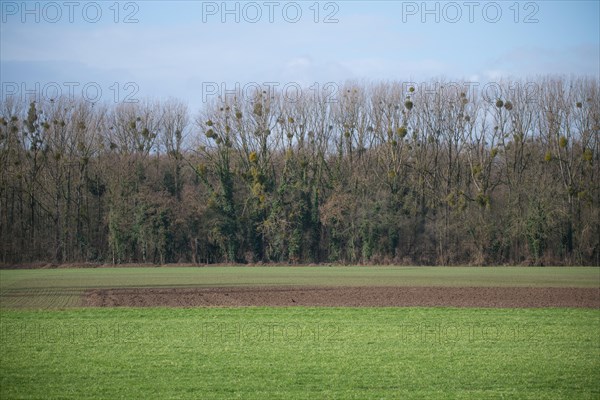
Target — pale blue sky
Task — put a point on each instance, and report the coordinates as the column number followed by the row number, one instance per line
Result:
column 175, row 49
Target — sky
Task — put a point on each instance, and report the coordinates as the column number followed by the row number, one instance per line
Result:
column 120, row 51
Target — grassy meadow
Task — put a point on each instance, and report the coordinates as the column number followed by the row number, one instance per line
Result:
column 294, row 353
column 51, row 348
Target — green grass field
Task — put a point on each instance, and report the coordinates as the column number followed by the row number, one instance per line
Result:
column 294, row 353
column 52, row 349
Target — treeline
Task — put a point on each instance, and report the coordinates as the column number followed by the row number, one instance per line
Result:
column 375, row 173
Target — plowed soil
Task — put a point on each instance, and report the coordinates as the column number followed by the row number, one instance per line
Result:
column 364, row 296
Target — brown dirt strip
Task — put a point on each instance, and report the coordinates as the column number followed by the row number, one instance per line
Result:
column 364, row 296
